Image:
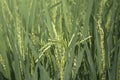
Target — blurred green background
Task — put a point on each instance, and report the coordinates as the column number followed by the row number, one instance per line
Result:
column 59, row 39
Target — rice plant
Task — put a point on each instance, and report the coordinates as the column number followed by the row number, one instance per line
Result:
column 59, row 40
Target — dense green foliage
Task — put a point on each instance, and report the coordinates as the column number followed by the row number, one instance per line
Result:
column 60, row 39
